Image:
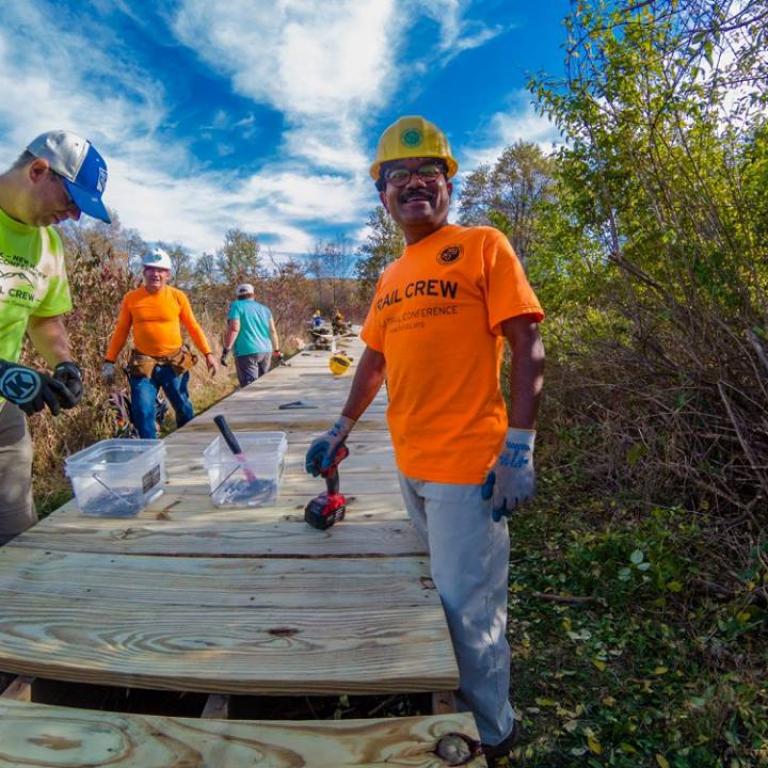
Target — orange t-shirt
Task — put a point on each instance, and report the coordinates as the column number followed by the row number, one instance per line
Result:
column 156, row 319
column 436, row 317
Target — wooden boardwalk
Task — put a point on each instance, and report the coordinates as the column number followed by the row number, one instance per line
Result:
column 187, row 597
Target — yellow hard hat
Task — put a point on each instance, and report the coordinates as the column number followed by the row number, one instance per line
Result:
column 413, row 136
column 339, row 363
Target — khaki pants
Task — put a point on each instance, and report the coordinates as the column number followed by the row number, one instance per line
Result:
column 17, row 509
column 469, row 560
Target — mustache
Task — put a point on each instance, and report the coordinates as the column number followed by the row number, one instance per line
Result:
column 417, row 194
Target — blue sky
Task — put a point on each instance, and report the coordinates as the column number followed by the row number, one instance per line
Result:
column 265, row 115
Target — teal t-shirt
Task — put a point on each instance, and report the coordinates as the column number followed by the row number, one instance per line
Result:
column 33, row 280
column 253, row 338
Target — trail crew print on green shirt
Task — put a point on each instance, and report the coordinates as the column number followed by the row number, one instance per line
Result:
column 33, row 280
column 436, row 317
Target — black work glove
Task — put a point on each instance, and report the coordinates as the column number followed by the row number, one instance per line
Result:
column 224, row 355
column 70, row 375
column 32, row 390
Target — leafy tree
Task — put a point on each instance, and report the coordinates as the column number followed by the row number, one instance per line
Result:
column 331, row 264
column 204, row 271
column 383, row 245
column 238, row 260
column 510, row 194
column 661, row 172
column 182, row 268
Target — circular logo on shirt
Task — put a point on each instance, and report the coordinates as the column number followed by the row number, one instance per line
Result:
column 450, row 254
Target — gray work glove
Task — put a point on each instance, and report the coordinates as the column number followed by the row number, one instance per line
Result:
column 513, row 479
column 323, row 449
column 32, row 390
column 108, row 372
column 70, row 375
column 224, row 359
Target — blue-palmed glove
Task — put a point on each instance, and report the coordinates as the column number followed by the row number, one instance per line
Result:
column 513, row 479
column 70, row 375
column 224, row 359
column 32, row 390
column 322, row 450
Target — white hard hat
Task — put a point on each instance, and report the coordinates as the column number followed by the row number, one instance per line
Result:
column 157, row 258
column 245, row 289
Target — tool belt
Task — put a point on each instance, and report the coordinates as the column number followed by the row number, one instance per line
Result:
column 143, row 365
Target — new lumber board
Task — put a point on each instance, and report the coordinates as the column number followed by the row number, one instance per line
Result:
column 36, row 735
column 196, row 506
column 294, row 651
column 226, row 539
column 216, row 582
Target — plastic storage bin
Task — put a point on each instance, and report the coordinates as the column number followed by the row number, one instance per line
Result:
column 117, row 478
column 250, row 481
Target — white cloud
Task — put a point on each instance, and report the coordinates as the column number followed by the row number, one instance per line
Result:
column 520, row 122
column 328, row 67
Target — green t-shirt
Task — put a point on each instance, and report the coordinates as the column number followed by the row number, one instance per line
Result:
column 33, row 280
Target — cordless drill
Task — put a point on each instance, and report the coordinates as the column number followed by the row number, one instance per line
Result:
column 329, row 507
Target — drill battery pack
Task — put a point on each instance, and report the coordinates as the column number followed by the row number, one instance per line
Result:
column 325, row 510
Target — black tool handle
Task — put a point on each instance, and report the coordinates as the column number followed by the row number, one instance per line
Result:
column 228, row 435
column 332, row 475
column 332, row 480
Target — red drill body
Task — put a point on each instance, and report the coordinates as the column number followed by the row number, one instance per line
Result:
column 329, row 507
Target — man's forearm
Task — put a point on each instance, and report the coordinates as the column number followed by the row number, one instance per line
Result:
column 229, row 338
column 367, row 382
column 49, row 337
column 526, row 376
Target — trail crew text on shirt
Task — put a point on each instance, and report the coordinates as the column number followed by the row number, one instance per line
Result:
column 442, row 288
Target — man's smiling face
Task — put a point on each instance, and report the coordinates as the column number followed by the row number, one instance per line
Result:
column 420, row 206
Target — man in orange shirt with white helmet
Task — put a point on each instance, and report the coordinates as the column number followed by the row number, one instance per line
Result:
column 155, row 312
column 436, row 329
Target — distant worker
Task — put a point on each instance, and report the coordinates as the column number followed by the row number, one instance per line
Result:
column 251, row 328
column 337, row 323
column 455, row 294
column 59, row 176
column 159, row 359
column 317, row 319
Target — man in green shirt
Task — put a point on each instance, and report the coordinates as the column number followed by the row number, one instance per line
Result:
column 59, row 176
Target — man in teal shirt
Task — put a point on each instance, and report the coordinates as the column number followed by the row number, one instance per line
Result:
column 59, row 176
column 251, row 327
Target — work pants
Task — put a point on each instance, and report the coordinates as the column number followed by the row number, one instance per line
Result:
column 17, row 508
column 144, row 391
column 469, row 561
column 250, row 367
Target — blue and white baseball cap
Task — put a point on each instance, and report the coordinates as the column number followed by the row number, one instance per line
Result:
column 83, row 169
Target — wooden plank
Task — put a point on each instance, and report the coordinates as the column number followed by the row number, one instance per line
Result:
column 303, row 651
column 197, row 506
column 227, row 539
column 216, row 707
column 217, row 582
column 35, row 735
column 19, row 689
column 443, row 702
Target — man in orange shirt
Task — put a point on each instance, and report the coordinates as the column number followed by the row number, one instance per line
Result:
column 156, row 312
column 436, row 329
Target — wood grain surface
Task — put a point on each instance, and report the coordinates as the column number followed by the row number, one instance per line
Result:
column 186, row 596
column 305, row 650
column 34, row 736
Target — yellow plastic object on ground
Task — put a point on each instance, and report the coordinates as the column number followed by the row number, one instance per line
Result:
column 339, row 363
column 413, row 136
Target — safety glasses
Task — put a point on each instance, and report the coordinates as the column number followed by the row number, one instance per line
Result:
column 428, row 173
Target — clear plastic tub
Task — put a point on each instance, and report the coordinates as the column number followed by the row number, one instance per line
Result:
column 250, row 481
column 117, row 478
